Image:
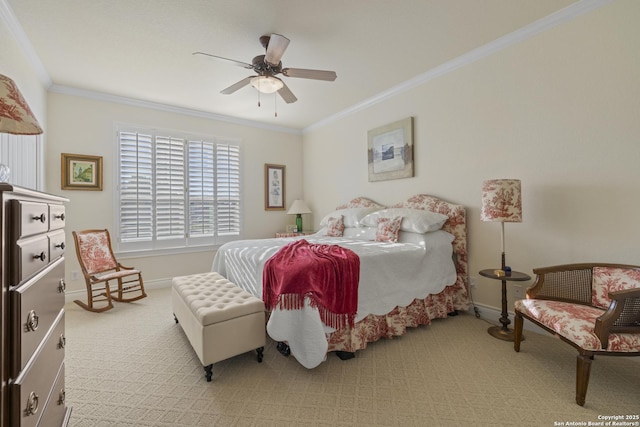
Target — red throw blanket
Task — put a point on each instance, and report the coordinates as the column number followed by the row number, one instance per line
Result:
column 327, row 274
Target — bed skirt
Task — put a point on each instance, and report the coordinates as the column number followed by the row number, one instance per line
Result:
column 396, row 322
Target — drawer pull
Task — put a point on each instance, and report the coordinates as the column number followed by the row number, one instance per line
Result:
column 41, row 257
column 61, row 246
column 62, row 341
column 61, row 286
column 42, row 218
column 60, row 217
column 32, row 321
column 32, row 404
column 61, row 397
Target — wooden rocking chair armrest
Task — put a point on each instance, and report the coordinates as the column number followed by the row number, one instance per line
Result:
column 94, row 279
column 120, row 266
column 606, row 323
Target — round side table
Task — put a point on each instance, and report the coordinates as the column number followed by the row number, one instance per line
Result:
column 503, row 332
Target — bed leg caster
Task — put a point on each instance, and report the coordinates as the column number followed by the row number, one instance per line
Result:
column 260, row 355
column 345, row 355
column 283, row 348
column 208, row 371
column 453, row 313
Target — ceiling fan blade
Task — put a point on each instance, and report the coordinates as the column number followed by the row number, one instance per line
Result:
column 310, row 74
column 275, row 49
column 286, row 94
column 234, row 87
column 240, row 63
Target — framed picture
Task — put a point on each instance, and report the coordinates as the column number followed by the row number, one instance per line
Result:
column 390, row 151
column 80, row 172
column 274, row 187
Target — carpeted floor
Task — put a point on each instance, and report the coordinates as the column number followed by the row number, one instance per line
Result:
column 133, row 366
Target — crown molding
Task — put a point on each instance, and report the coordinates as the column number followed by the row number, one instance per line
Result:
column 99, row 96
column 15, row 28
column 548, row 22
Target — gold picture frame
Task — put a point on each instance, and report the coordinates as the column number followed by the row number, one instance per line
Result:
column 390, row 151
column 81, row 172
column 274, row 187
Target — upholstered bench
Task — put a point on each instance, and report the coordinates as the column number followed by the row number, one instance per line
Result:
column 219, row 319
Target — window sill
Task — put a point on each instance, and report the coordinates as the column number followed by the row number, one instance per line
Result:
column 163, row 252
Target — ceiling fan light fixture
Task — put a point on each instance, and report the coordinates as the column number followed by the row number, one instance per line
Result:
column 267, row 84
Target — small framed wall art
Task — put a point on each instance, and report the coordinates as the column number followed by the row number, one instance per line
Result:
column 390, row 151
column 274, row 187
column 81, row 172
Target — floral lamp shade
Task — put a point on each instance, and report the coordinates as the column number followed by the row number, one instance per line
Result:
column 501, row 200
column 15, row 115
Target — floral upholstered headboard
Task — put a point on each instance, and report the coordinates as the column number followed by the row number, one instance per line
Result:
column 456, row 225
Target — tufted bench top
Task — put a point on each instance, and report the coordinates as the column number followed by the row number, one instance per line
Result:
column 214, row 299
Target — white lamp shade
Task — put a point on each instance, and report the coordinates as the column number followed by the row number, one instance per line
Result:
column 299, row 207
column 15, row 115
column 267, row 84
column 501, row 200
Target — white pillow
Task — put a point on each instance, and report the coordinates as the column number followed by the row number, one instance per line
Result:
column 413, row 220
column 351, row 216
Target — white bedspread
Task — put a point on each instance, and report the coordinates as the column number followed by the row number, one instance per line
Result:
column 391, row 274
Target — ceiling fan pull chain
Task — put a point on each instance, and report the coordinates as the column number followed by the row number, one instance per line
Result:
column 258, row 98
column 275, row 105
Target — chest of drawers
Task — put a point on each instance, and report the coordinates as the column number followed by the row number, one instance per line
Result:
column 32, row 341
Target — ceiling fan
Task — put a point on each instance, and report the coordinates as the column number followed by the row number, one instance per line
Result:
column 268, row 66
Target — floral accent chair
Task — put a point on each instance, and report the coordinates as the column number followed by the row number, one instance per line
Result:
column 594, row 307
column 99, row 267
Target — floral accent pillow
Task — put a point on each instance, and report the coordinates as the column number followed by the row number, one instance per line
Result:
column 335, row 226
column 387, row 230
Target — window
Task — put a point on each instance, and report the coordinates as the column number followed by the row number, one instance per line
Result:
column 176, row 191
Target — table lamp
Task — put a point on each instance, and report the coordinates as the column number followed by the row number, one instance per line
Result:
column 298, row 208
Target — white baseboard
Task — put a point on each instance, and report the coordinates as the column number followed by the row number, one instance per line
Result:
column 71, row 296
column 492, row 315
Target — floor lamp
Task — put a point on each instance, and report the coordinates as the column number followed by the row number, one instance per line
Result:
column 502, row 202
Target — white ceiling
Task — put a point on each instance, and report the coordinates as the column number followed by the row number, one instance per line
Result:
column 142, row 49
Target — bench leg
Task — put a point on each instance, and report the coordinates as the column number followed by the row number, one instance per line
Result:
column 260, row 354
column 208, row 371
column 583, row 369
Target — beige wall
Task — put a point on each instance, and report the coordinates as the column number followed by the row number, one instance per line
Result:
column 560, row 111
column 82, row 125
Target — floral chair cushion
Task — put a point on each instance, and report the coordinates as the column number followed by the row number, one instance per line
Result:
column 607, row 279
column 576, row 322
column 95, row 252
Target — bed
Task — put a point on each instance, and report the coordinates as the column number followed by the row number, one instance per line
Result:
column 420, row 277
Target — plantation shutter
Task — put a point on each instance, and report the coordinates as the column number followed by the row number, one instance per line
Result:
column 228, row 190
column 170, row 189
column 201, row 189
column 136, row 187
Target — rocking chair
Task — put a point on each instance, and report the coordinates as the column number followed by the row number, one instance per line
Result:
column 99, row 267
